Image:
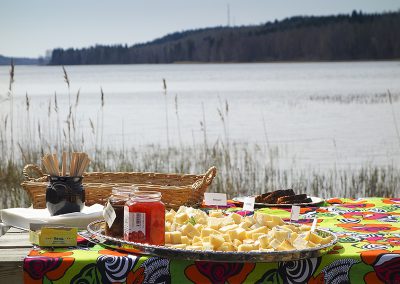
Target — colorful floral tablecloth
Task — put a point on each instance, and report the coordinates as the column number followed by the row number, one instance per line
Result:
column 368, row 251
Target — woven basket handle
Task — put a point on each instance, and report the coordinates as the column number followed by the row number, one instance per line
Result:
column 32, row 168
column 209, row 176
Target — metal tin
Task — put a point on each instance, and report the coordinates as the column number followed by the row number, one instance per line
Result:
column 95, row 234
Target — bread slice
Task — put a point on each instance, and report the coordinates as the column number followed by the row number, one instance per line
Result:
column 293, row 199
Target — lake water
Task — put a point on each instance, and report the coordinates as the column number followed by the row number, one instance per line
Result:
column 317, row 114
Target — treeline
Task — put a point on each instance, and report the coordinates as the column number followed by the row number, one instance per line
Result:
column 20, row 60
column 356, row 36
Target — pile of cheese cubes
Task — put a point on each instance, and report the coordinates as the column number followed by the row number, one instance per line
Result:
column 193, row 229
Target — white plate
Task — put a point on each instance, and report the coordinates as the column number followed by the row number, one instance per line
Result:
column 315, row 201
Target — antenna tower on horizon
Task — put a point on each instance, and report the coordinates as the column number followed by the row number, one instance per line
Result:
column 228, row 8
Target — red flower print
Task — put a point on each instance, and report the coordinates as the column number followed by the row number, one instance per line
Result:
column 37, row 267
column 218, row 272
column 368, row 228
column 386, row 265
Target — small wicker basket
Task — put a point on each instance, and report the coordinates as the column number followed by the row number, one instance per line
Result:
column 176, row 189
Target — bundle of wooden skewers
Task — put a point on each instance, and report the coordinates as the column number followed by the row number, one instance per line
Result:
column 78, row 163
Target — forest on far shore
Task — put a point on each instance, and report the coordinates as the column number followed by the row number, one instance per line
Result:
column 356, row 36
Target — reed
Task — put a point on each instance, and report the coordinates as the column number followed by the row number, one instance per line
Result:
column 166, row 119
column 11, row 99
column 396, row 127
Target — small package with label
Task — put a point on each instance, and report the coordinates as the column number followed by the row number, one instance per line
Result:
column 52, row 235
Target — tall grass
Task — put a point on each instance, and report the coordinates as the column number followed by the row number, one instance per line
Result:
column 242, row 168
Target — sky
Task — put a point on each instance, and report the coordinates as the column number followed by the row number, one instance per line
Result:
column 29, row 28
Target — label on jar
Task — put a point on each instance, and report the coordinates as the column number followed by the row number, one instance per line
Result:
column 109, row 214
column 135, row 226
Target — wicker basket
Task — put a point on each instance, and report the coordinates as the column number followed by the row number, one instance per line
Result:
column 176, row 189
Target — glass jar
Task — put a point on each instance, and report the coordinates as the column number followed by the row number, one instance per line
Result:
column 114, row 211
column 144, row 218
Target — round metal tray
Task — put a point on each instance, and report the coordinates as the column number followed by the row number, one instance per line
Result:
column 95, row 234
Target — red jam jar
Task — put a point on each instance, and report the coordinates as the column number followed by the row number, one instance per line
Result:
column 144, row 218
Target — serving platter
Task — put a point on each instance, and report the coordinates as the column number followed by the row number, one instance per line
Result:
column 315, row 202
column 95, row 234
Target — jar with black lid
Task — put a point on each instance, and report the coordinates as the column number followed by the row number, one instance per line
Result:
column 114, row 211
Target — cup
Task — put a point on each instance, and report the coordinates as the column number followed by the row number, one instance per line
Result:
column 64, row 194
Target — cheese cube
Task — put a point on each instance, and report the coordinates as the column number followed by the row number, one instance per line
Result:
column 181, row 218
column 199, row 227
column 215, row 213
column 285, row 245
column 236, row 218
column 275, row 221
column 168, row 226
column 227, row 221
column 300, row 243
column 263, row 230
column 244, row 225
column 255, row 236
column 313, row 237
column 305, row 228
column 311, row 244
column 281, row 235
column 208, row 246
column 185, row 240
column 207, row 231
column 241, row 233
column 226, row 237
column 228, row 228
column 245, row 247
column 290, row 228
column 216, row 240
column 196, row 239
column 167, row 237
column 264, row 241
column 250, row 220
column 293, row 237
column 176, row 237
column 262, row 218
column 189, row 230
column 236, row 242
column 248, row 241
column 205, row 239
column 169, row 216
column 214, row 222
column 274, row 243
column 226, row 246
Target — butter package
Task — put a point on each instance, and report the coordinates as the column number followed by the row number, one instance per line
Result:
column 52, row 235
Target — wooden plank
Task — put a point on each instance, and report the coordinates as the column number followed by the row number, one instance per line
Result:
column 15, row 240
column 14, row 247
column 11, row 271
column 13, row 255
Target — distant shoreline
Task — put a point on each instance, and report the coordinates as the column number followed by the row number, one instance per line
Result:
column 220, row 63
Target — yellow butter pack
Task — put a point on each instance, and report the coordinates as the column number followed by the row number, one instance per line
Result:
column 52, row 235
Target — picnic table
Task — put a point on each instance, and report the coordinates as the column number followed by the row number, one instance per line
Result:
column 368, row 251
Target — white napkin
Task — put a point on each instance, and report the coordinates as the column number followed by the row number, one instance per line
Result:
column 22, row 217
